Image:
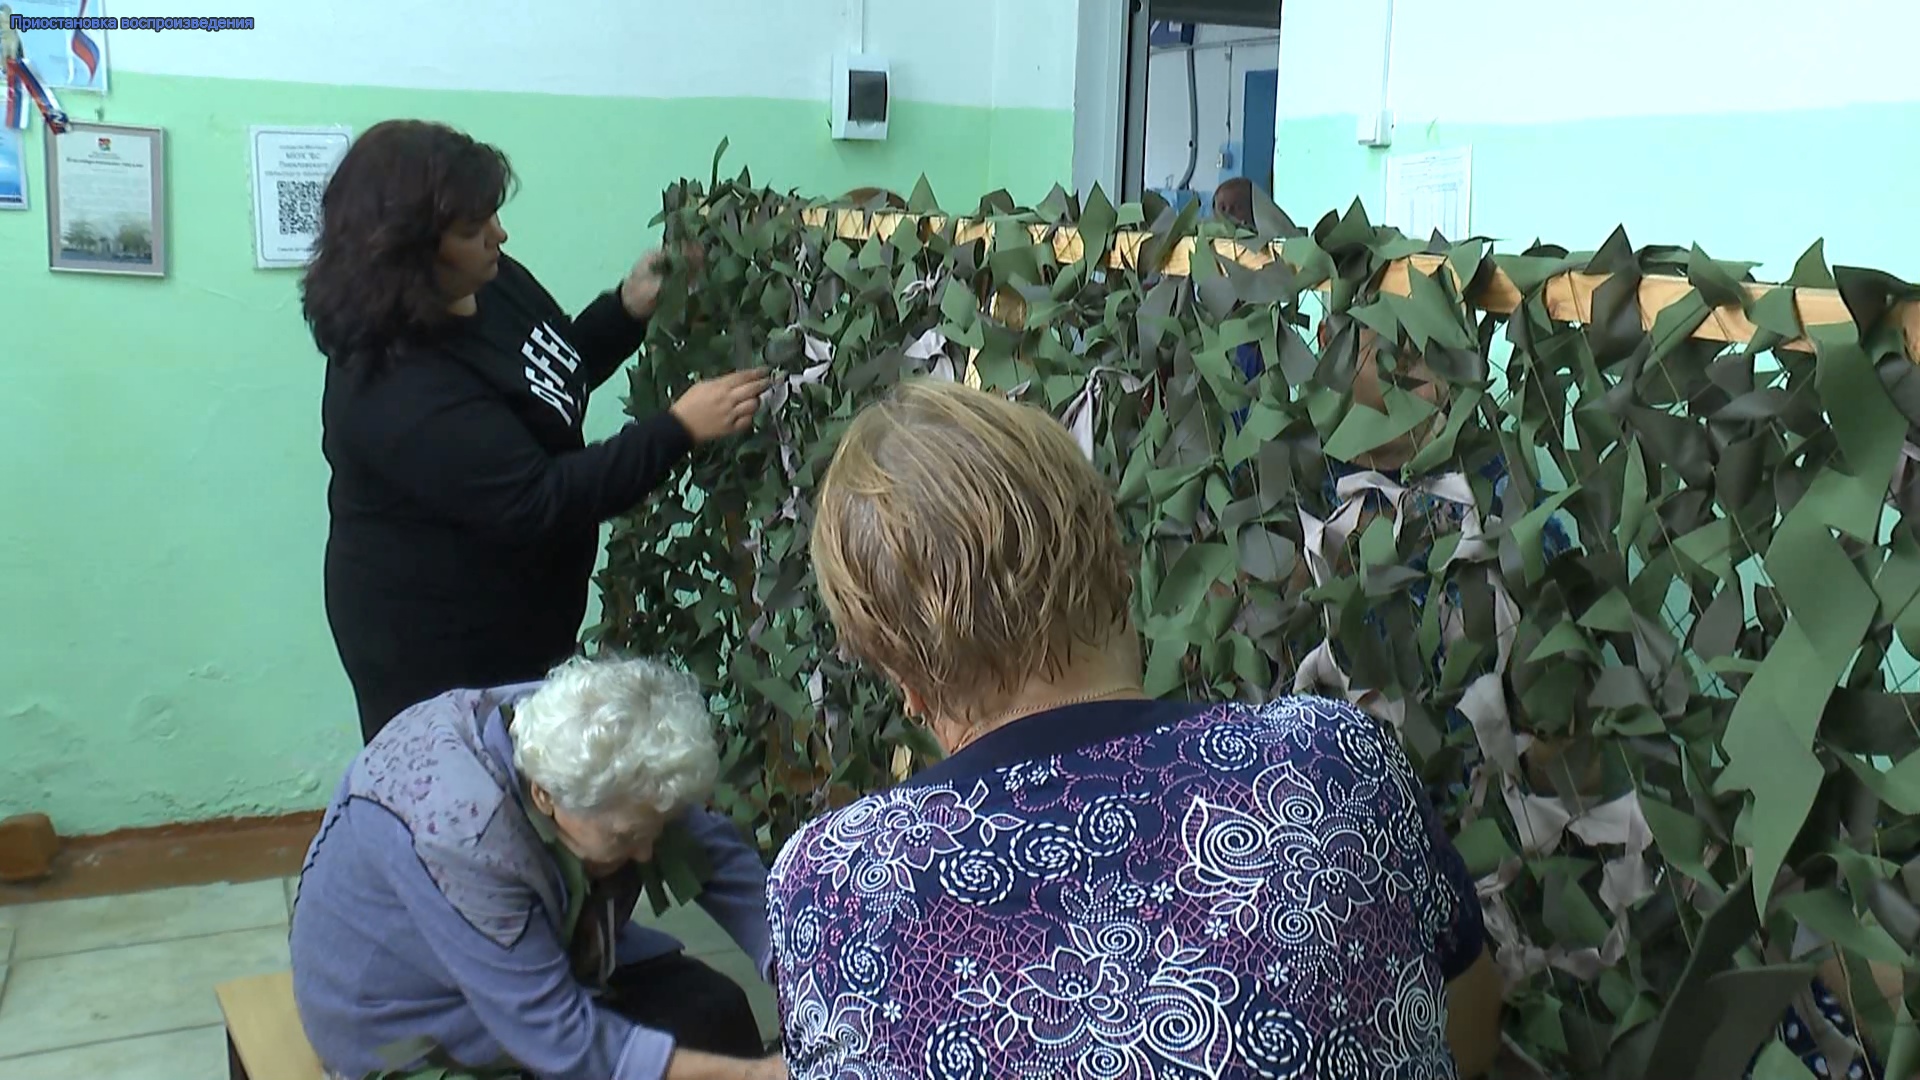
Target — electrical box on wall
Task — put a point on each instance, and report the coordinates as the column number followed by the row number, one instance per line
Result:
column 861, row 97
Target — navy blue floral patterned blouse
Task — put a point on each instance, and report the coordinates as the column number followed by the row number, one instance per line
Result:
column 1131, row 890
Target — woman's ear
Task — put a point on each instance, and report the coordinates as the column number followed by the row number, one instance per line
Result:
column 916, row 705
column 542, row 801
column 944, row 730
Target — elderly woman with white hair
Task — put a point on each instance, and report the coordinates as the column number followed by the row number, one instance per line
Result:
column 467, row 902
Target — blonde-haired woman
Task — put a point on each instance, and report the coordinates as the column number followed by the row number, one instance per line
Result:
column 1092, row 883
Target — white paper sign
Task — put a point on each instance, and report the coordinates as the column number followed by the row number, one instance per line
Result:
column 291, row 166
column 1432, row 191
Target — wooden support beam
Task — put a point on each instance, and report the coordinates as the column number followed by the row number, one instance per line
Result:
column 1569, row 296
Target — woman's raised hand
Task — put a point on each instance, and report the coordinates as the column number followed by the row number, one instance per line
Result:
column 640, row 291
column 715, row 408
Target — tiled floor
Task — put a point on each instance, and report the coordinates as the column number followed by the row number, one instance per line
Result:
column 122, row 987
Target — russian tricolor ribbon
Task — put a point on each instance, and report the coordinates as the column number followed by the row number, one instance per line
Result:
column 15, row 117
column 22, row 84
column 83, row 48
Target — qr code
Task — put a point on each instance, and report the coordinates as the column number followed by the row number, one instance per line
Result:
column 299, row 206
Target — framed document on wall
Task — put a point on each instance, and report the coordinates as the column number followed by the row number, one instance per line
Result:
column 107, row 199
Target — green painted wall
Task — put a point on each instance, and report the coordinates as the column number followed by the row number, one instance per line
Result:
column 162, row 516
column 1757, row 186
column 1747, row 186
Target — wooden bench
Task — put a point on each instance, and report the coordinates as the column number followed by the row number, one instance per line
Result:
column 264, row 1038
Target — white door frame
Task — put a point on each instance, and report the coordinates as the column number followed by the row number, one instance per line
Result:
column 1099, row 92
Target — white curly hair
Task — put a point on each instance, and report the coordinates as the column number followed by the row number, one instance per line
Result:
column 600, row 733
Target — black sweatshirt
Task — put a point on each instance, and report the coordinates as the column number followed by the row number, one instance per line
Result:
column 465, row 502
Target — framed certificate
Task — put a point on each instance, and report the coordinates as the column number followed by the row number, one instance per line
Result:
column 106, row 199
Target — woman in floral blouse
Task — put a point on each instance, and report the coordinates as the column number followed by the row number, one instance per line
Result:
column 1092, row 883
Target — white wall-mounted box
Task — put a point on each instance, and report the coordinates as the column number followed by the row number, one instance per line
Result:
column 862, row 96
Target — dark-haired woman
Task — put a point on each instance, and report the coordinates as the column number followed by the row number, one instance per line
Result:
column 465, row 502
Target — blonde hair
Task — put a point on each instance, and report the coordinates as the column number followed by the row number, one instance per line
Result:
column 964, row 545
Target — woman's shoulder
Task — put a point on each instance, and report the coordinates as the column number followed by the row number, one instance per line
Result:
column 1305, row 719
column 429, row 768
column 520, row 283
column 416, row 375
column 842, row 829
column 1321, row 728
column 1297, row 729
column 449, row 812
column 896, row 833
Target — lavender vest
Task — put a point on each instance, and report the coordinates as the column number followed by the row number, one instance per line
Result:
column 431, row 769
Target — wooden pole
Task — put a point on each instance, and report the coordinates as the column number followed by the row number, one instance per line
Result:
column 1569, row 296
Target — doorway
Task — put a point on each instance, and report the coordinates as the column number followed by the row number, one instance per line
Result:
column 1200, row 97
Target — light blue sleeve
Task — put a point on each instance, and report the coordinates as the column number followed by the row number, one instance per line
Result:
column 736, row 895
column 526, row 996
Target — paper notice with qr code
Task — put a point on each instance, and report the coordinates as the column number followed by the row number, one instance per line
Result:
column 291, row 166
column 1431, row 192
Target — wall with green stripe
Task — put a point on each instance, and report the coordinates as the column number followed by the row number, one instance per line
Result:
column 162, row 507
column 1752, row 133
column 1744, row 186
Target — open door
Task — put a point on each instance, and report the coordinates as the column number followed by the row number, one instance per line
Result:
column 1199, row 96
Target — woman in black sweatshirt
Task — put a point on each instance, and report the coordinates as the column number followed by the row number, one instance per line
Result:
column 465, row 502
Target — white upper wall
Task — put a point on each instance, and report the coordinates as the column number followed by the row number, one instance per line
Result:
column 1528, row 61
column 1031, row 53
column 1007, row 53
column 1099, row 73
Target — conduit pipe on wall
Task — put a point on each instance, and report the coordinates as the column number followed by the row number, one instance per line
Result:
column 1193, row 123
